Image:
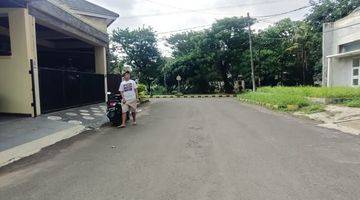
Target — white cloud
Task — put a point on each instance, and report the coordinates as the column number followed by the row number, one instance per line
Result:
column 182, row 20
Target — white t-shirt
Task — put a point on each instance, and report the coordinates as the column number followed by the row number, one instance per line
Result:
column 128, row 87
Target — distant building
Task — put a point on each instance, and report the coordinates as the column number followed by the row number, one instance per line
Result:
column 52, row 54
column 341, row 51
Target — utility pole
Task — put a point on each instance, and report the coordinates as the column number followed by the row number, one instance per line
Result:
column 251, row 56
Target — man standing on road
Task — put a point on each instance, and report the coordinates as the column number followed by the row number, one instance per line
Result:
column 129, row 94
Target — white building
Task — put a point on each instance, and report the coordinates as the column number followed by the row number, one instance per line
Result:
column 341, row 51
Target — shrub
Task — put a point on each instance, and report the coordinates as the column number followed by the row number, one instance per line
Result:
column 159, row 90
column 143, row 97
column 142, row 88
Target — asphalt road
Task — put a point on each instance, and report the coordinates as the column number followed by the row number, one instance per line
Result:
column 197, row 149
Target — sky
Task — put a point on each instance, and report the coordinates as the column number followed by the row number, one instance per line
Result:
column 170, row 16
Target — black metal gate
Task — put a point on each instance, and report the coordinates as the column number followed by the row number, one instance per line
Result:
column 61, row 89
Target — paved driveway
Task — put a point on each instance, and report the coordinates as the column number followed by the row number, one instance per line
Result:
column 195, row 149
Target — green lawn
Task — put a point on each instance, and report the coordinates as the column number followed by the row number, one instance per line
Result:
column 281, row 100
column 320, row 92
column 298, row 96
column 355, row 102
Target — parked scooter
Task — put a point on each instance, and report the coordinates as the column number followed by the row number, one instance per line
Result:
column 114, row 111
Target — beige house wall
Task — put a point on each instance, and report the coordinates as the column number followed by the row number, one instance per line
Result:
column 15, row 81
column 16, row 93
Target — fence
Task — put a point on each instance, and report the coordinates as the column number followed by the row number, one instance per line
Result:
column 60, row 89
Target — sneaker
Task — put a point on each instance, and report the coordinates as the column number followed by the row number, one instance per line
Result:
column 122, row 126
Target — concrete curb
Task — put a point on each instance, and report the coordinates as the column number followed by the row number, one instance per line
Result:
column 266, row 105
column 191, row 96
column 11, row 155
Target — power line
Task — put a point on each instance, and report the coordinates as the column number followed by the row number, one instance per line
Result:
column 199, row 10
column 184, row 29
column 283, row 13
column 208, row 25
column 269, row 22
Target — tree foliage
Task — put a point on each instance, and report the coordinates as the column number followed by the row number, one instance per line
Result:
column 286, row 53
column 141, row 52
column 329, row 11
column 115, row 64
column 208, row 58
column 212, row 60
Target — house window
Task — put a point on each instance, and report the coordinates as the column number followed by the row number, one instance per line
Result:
column 5, row 46
column 355, row 72
column 355, row 82
column 356, row 62
column 352, row 46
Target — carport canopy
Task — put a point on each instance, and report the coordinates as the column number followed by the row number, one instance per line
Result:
column 12, row 4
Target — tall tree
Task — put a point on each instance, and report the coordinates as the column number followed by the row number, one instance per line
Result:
column 115, row 64
column 227, row 44
column 215, row 55
column 190, row 62
column 323, row 11
column 287, row 53
column 275, row 63
column 141, row 52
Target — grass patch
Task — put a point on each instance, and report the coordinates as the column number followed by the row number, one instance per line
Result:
column 281, row 100
column 280, row 97
column 353, row 103
column 318, row 92
column 313, row 108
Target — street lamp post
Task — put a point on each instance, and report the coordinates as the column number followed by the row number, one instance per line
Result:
column 151, row 80
column 178, row 78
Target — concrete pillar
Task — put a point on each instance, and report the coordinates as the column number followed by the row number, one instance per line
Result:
column 327, row 49
column 329, row 72
column 100, row 60
column 100, row 65
column 32, row 52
